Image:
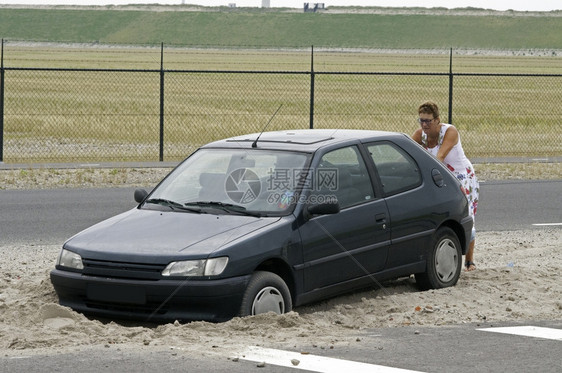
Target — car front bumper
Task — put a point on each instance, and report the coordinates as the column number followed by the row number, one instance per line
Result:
column 150, row 301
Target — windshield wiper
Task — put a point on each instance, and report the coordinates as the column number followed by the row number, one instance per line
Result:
column 228, row 207
column 171, row 204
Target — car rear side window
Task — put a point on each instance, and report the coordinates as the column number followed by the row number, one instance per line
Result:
column 397, row 170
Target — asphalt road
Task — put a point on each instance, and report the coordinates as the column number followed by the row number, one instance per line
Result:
column 51, row 216
column 464, row 348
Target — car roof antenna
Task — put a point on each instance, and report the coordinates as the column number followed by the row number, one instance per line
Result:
column 255, row 143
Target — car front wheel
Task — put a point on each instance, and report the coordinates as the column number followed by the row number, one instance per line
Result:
column 266, row 292
column 444, row 261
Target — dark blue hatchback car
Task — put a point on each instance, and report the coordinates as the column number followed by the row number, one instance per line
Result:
column 266, row 222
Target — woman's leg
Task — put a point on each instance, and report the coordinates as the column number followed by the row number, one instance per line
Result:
column 469, row 259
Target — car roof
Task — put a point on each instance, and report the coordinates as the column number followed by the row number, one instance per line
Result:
column 306, row 140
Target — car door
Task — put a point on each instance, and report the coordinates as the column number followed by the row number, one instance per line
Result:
column 349, row 244
column 409, row 204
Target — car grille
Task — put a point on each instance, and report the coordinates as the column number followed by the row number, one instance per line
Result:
column 126, row 270
column 148, row 309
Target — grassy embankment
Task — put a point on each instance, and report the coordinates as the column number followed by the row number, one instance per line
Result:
column 256, row 28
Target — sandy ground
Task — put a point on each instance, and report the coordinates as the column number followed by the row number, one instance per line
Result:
column 518, row 279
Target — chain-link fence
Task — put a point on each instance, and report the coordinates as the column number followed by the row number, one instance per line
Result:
column 103, row 115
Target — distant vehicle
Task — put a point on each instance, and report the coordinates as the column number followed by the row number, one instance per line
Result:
column 266, row 222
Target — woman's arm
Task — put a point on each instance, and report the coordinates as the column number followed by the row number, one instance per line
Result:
column 417, row 136
column 451, row 138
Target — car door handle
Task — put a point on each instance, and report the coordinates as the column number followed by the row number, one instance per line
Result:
column 381, row 219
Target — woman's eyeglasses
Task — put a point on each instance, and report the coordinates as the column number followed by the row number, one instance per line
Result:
column 425, row 120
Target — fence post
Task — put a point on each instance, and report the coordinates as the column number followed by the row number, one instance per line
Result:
column 161, row 102
column 312, row 87
column 2, row 103
column 450, row 119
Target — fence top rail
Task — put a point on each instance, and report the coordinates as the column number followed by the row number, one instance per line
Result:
column 283, row 72
column 155, row 70
column 278, row 72
column 78, row 69
column 504, row 74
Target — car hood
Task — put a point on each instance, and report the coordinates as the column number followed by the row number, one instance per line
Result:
column 147, row 234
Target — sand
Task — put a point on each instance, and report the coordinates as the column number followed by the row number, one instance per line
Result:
column 518, row 279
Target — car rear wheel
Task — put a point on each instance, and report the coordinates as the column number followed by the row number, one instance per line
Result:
column 266, row 292
column 444, row 261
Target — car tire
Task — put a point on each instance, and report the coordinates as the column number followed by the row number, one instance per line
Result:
column 266, row 292
column 444, row 261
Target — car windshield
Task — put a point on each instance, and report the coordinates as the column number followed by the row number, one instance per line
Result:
column 252, row 182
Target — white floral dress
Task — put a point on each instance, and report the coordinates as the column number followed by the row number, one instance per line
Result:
column 458, row 163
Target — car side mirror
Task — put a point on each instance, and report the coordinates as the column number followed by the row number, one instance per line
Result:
column 326, row 208
column 140, row 195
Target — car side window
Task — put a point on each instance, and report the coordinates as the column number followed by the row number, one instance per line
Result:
column 342, row 173
column 397, row 170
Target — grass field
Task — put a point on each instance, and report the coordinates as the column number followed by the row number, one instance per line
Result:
column 90, row 56
column 211, row 93
column 56, row 115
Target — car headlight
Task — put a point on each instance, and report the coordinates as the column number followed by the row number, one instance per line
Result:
column 69, row 259
column 203, row 267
